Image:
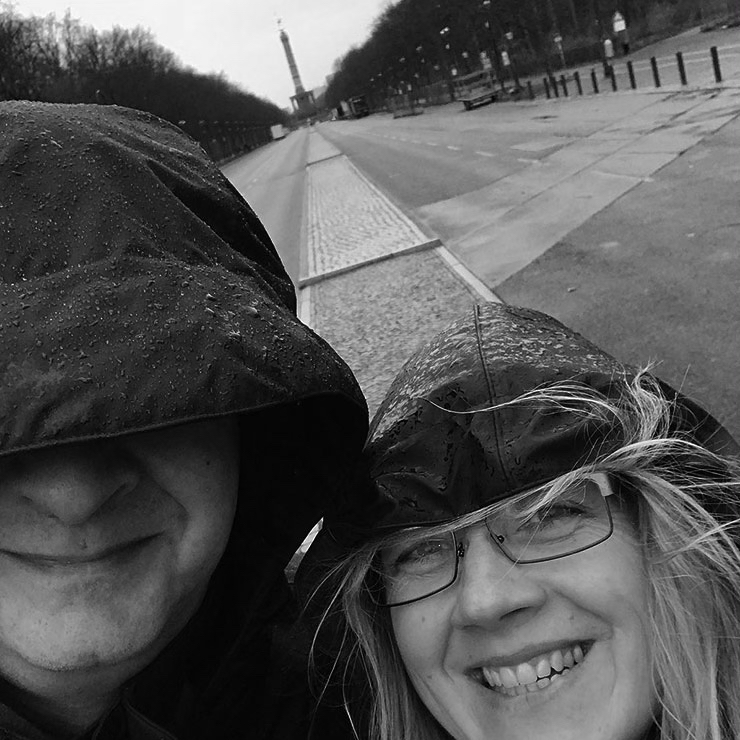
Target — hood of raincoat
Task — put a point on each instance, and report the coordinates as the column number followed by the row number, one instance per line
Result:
column 432, row 465
column 138, row 290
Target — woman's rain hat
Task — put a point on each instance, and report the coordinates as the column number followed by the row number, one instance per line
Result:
column 431, row 465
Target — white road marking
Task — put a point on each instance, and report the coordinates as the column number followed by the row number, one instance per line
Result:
column 453, row 148
column 486, row 154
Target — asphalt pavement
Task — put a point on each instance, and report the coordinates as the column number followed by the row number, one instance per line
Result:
column 655, row 277
column 631, row 238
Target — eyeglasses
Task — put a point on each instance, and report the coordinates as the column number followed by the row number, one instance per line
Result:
column 548, row 523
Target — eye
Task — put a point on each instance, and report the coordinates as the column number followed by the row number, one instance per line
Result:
column 553, row 514
column 419, row 555
column 425, row 549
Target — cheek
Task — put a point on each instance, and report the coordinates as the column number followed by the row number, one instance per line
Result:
column 421, row 634
column 210, row 516
column 204, row 480
column 616, row 590
column 207, row 497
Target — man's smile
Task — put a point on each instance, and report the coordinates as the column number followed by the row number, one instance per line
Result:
column 107, row 555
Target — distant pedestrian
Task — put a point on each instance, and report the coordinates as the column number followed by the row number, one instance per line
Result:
column 624, row 41
column 169, row 433
column 608, row 57
column 621, row 32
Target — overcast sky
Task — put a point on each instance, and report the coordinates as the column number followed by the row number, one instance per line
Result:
column 237, row 37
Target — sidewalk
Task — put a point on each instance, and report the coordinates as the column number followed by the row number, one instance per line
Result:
column 513, row 221
column 630, row 235
column 694, row 46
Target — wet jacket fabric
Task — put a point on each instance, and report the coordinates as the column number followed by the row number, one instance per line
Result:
column 433, row 465
column 137, row 291
column 432, row 460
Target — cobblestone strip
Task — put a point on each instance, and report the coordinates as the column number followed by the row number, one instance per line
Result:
column 350, row 221
column 378, row 315
column 384, row 287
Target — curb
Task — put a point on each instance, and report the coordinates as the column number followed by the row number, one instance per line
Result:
column 313, row 279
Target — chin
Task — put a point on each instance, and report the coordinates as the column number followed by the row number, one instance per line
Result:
column 76, row 640
column 98, row 646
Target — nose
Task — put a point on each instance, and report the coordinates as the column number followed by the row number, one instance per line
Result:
column 70, row 483
column 491, row 590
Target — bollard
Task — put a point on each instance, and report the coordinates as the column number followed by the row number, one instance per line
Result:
column 656, row 74
column 594, row 81
column 577, row 78
column 530, row 89
column 613, row 77
column 631, row 72
column 681, row 68
column 554, row 86
column 564, row 83
column 547, row 87
column 715, row 64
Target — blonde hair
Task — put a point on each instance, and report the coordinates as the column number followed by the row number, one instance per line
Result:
column 688, row 527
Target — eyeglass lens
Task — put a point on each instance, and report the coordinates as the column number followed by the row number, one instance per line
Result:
column 543, row 525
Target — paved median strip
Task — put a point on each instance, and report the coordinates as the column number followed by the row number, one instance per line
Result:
column 374, row 285
column 350, row 222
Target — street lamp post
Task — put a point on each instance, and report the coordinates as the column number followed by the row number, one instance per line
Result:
column 421, row 64
column 489, row 25
column 404, row 74
column 445, row 34
column 450, row 72
column 509, row 48
column 466, row 63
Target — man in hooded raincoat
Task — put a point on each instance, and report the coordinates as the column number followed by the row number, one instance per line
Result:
column 169, row 433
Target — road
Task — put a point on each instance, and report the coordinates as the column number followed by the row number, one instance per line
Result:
column 273, row 180
column 615, row 213
column 448, row 152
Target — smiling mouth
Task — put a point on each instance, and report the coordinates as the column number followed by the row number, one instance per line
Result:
column 536, row 674
column 115, row 552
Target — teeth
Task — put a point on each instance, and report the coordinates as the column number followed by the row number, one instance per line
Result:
column 526, row 677
column 526, row 674
column 492, row 677
column 508, row 678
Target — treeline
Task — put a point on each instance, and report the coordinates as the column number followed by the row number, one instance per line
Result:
column 415, row 43
column 53, row 60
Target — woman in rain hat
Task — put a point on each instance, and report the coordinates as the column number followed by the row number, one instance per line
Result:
column 558, row 556
column 169, row 433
